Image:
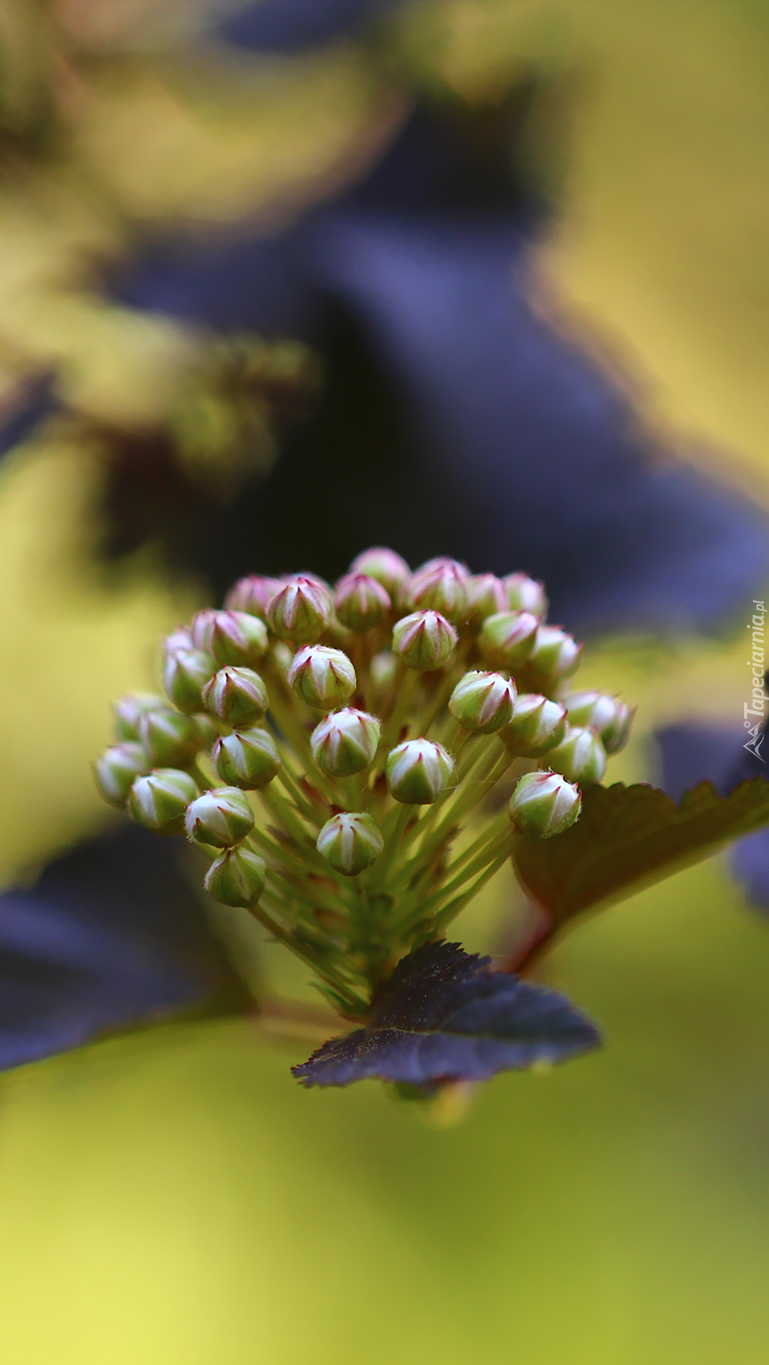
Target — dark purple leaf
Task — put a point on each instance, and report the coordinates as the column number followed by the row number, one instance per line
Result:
column 445, row 1016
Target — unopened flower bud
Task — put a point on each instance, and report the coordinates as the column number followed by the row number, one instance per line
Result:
column 345, row 742
column 236, row 877
column 555, row 656
column 237, row 696
column 181, row 638
column 253, row 595
column 581, row 756
column 361, row 602
column 129, row 711
column 418, row 771
column 507, row 639
column 117, row 769
column 301, row 610
column 230, row 637
column 382, row 670
column 610, row 716
column 544, row 804
column 170, row 740
column 350, row 843
column 538, row 724
column 483, row 702
column 423, row 640
column 440, row 585
column 248, row 759
column 525, row 594
column 160, row 800
column 485, row 596
column 323, row 677
column 207, row 728
column 185, row 675
column 221, row 817
column 387, row 568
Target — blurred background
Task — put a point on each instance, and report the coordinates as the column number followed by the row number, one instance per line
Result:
column 226, row 233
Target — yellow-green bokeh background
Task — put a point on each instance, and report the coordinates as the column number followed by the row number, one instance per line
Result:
column 173, row 1198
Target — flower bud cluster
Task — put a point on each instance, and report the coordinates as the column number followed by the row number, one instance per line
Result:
column 322, row 746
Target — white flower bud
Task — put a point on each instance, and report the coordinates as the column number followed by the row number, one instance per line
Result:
column 301, row 610
column 388, row 569
column 486, row 596
column 361, row 602
column 424, row 640
column 507, row 639
column 350, row 842
column 230, row 637
column 323, row 677
column 185, row 674
column 248, row 759
column 117, row 769
column 483, row 702
column 253, row 595
column 345, row 742
column 221, row 817
column 610, row 716
column 441, row 585
column 419, row 771
column 555, row 656
column 525, row 594
column 236, row 877
column 538, row 724
column 581, row 756
column 237, row 696
column 129, row 711
column 544, row 804
column 159, row 801
column 169, row 739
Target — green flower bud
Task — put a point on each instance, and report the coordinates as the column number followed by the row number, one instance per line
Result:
column 418, row 771
column 230, row 637
column 581, row 756
column 386, row 568
column 382, row 670
column 253, row 595
column 538, row 724
column 507, row 639
column 181, row 638
column 185, row 675
column 248, row 759
column 237, row 696
column 441, row 585
column 483, row 702
column 555, row 656
column 323, row 677
column 345, row 742
column 207, row 729
column 350, row 843
column 160, row 800
column 544, row 804
column 610, row 716
column 361, row 602
column 170, row 740
column 236, row 877
column 525, row 594
column 129, row 711
column 117, row 769
column 301, row 610
column 221, row 817
column 486, row 596
column 423, row 640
